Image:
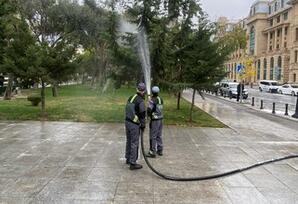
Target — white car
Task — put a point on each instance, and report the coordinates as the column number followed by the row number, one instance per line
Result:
column 269, row 86
column 289, row 89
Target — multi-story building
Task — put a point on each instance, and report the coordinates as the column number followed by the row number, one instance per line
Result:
column 272, row 30
column 237, row 57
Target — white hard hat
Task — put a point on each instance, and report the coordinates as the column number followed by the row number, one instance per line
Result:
column 155, row 89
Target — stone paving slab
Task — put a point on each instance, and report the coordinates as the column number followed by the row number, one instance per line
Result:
column 64, row 162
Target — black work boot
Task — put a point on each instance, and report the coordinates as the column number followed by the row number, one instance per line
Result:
column 159, row 152
column 127, row 161
column 135, row 166
column 151, row 154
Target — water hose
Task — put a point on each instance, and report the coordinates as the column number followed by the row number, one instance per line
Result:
column 201, row 178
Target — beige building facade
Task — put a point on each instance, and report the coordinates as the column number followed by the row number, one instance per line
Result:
column 272, row 41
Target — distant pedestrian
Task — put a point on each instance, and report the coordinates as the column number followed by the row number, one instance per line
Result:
column 135, row 121
column 240, row 89
column 155, row 112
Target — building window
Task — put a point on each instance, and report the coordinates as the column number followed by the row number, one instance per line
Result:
column 294, row 77
column 296, row 34
column 282, row 3
column 265, row 69
column 286, row 16
column 271, row 68
column 259, row 70
column 278, row 19
column 275, row 6
column 271, row 35
column 296, row 56
column 278, row 71
column 285, row 45
column 270, row 10
column 271, row 22
column 286, row 30
column 277, row 46
column 252, row 40
column 278, row 32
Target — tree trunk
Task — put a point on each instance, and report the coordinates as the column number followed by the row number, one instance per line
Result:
column 94, row 79
column 83, row 80
column 55, row 90
column 192, row 105
column 104, row 72
column 178, row 100
column 8, row 91
column 102, row 62
column 101, row 77
column 43, row 104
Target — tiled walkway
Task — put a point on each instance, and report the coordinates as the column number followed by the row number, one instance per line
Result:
column 63, row 162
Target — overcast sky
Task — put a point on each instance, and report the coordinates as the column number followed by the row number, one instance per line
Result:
column 233, row 9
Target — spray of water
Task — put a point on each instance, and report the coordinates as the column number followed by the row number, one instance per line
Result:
column 144, row 54
column 142, row 46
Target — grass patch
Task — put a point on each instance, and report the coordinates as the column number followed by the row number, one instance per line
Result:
column 83, row 104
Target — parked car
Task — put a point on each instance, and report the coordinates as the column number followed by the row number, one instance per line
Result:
column 289, row 89
column 269, row 86
column 229, row 89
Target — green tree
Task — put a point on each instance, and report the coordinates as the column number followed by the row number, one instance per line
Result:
column 181, row 34
column 235, row 39
column 126, row 61
column 54, row 43
column 15, row 40
column 151, row 16
column 203, row 59
column 6, row 12
column 96, row 29
column 91, row 26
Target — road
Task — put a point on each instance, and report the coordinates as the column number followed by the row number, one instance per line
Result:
column 279, row 98
column 270, row 98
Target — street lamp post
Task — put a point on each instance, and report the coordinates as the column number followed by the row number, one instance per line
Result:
column 296, row 111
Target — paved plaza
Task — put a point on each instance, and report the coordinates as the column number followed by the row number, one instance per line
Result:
column 65, row 162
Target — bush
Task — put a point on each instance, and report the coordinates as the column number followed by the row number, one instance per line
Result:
column 35, row 100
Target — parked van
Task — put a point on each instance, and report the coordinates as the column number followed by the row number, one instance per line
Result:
column 269, row 86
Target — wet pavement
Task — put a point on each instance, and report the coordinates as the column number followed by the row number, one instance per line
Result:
column 64, row 162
